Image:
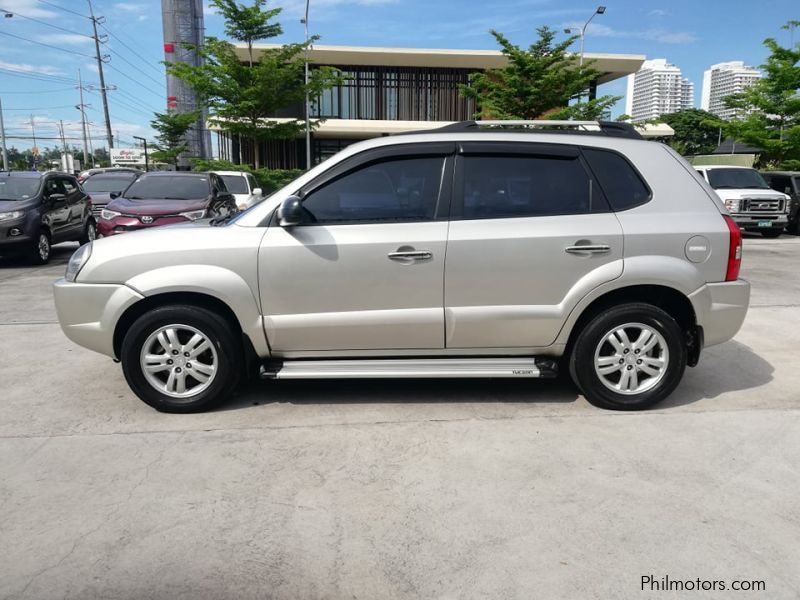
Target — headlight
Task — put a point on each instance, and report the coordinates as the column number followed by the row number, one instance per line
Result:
column 108, row 214
column 14, row 214
column 77, row 261
column 733, row 205
column 193, row 215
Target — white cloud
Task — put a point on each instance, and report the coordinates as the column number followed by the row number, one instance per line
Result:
column 652, row 34
column 64, row 38
column 658, row 13
column 29, row 8
column 141, row 18
column 131, row 7
column 26, row 68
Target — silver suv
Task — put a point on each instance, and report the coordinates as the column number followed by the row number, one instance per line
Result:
column 475, row 250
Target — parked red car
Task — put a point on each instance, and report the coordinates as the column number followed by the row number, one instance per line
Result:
column 164, row 198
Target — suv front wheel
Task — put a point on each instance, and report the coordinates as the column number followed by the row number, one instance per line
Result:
column 181, row 358
column 629, row 358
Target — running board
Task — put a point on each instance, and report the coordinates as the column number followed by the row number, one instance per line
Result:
column 411, row 368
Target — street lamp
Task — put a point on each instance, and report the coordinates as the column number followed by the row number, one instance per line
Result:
column 598, row 11
column 144, row 141
column 304, row 21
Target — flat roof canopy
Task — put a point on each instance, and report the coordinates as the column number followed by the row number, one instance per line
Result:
column 611, row 66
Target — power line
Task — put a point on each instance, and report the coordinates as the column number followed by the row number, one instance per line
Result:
column 45, row 23
column 64, row 9
column 134, row 52
column 37, row 76
column 139, row 83
column 38, row 91
column 30, row 41
column 122, row 58
column 40, row 107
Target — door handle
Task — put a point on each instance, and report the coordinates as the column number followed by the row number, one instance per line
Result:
column 410, row 255
column 588, row 249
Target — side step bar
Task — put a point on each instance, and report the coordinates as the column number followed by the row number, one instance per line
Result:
column 411, row 368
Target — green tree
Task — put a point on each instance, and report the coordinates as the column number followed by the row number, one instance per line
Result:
column 696, row 131
column 171, row 136
column 241, row 98
column 538, row 82
column 770, row 109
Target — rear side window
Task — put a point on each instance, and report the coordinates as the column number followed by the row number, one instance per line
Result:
column 498, row 186
column 621, row 183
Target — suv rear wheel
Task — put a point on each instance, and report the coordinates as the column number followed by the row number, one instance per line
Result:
column 629, row 358
column 181, row 359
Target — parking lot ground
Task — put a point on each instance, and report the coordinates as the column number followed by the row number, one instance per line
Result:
column 399, row 489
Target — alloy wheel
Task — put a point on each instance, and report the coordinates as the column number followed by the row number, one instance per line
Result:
column 179, row 361
column 631, row 359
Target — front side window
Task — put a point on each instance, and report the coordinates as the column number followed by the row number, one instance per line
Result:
column 70, row 187
column 523, row 186
column 235, row 184
column 394, row 190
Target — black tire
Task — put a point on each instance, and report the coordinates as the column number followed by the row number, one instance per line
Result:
column 219, row 333
column 42, row 248
column 89, row 232
column 772, row 233
column 590, row 340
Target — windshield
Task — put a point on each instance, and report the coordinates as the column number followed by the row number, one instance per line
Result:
column 736, row 179
column 106, row 184
column 165, row 187
column 18, row 188
column 236, row 184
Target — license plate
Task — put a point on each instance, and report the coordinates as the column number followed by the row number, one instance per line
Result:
column 765, row 223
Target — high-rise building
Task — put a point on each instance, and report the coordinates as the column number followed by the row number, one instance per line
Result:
column 722, row 80
column 657, row 88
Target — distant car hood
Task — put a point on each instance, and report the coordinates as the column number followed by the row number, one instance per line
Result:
column 12, row 205
column 100, row 197
column 155, row 207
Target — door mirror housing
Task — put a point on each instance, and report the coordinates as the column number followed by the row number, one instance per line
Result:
column 57, row 200
column 114, row 195
column 291, row 212
column 258, row 192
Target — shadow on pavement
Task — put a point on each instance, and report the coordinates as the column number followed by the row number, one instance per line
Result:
column 408, row 391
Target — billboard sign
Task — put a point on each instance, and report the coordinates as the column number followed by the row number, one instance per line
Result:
column 127, row 156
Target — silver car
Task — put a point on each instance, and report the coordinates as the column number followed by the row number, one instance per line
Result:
column 469, row 251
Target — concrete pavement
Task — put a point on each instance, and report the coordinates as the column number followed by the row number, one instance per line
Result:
column 400, row 489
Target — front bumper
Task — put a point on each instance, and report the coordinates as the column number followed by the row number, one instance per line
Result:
column 720, row 309
column 123, row 224
column 16, row 233
column 751, row 221
column 89, row 312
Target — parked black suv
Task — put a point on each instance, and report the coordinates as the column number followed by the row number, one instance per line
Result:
column 41, row 209
column 787, row 182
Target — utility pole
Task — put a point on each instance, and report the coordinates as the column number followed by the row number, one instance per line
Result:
column 65, row 157
column 34, row 150
column 103, row 88
column 81, row 107
column 3, row 138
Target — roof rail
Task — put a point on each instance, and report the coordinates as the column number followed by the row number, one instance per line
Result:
column 609, row 128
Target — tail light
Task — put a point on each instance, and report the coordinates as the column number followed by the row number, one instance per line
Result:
column 734, row 250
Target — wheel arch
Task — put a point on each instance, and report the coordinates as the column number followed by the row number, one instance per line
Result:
column 200, row 300
column 669, row 299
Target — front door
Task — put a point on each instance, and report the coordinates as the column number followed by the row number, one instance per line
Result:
column 529, row 233
column 365, row 272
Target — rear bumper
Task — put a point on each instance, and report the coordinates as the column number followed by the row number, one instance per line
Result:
column 720, row 309
column 89, row 312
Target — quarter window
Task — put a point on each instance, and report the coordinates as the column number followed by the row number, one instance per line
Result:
column 524, row 186
column 621, row 183
column 394, row 190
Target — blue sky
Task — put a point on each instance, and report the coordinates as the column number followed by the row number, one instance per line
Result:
column 38, row 80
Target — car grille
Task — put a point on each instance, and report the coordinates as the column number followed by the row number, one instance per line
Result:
column 97, row 209
column 762, row 205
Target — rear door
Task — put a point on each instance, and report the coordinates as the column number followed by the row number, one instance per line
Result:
column 76, row 201
column 530, row 232
column 366, row 272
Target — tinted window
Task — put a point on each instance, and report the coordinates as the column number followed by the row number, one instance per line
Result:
column 252, row 181
column 54, row 186
column 782, row 183
column 166, row 187
column 100, row 184
column 70, row 186
column 236, row 184
column 396, row 190
column 522, row 186
column 18, row 188
column 736, row 179
column 621, row 183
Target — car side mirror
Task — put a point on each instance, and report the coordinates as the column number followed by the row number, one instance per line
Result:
column 258, row 192
column 113, row 195
column 291, row 212
column 57, row 200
